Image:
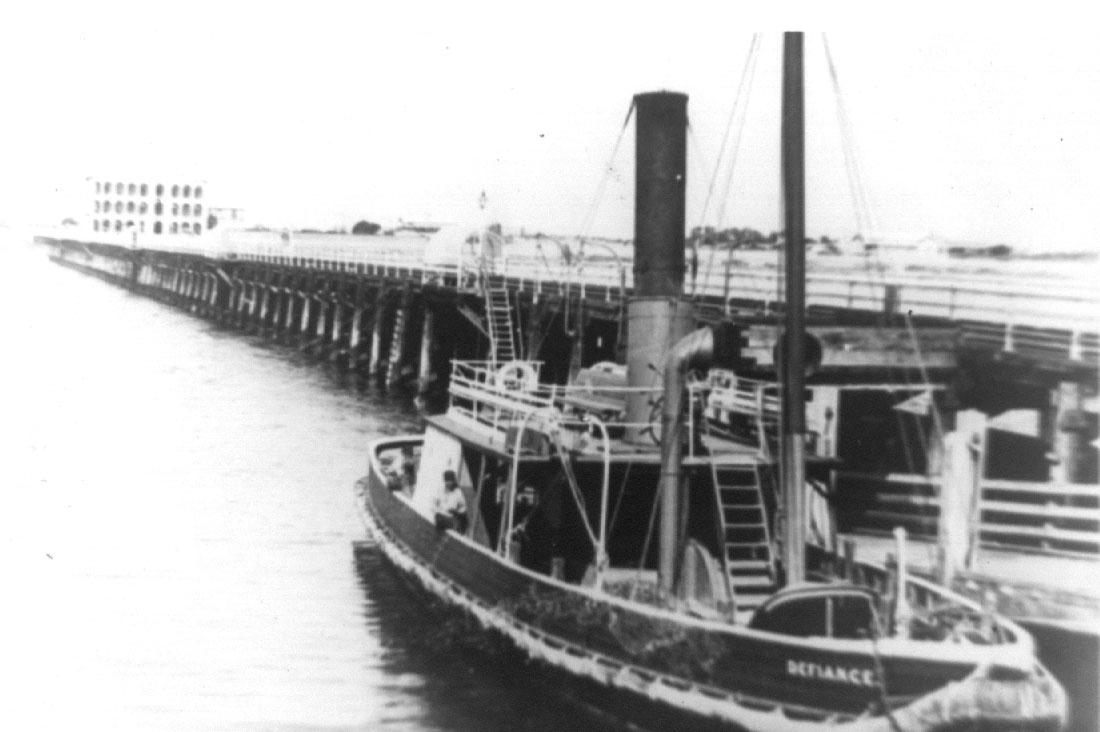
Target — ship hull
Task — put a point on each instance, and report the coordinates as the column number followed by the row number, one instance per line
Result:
column 704, row 672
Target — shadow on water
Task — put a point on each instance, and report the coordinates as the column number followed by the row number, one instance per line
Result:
column 471, row 681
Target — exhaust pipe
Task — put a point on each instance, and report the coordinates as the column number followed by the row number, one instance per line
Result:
column 718, row 345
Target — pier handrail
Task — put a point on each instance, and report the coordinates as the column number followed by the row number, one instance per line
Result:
column 1048, row 517
column 1060, row 316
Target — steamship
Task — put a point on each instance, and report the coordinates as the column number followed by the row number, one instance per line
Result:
column 615, row 538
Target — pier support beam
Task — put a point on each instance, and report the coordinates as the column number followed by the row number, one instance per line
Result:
column 576, row 354
column 398, row 340
column 322, row 325
column 1075, row 458
column 427, row 334
column 374, row 365
column 288, row 314
column 354, row 336
column 960, row 489
column 536, row 329
column 337, row 316
column 303, row 329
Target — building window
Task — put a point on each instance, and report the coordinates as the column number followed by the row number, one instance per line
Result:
column 198, row 191
column 186, row 209
column 97, row 211
column 130, row 207
column 98, row 189
column 106, row 226
column 186, row 228
column 129, row 224
column 187, row 191
column 158, row 208
column 143, row 208
column 118, row 206
column 197, row 228
column 118, row 189
column 160, row 190
column 131, row 189
column 175, row 209
column 118, row 224
column 95, row 226
column 141, row 226
column 157, row 228
column 175, row 191
column 144, row 189
column 198, row 209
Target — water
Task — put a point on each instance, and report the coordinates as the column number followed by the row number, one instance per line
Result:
column 180, row 545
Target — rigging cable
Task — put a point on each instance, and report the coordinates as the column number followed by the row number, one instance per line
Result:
column 744, row 88
column 590, row 215
column 852, row 167
column 876, row 270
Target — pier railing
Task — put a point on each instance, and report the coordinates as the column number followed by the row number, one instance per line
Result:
column 1046, row 315
column 1052, row 518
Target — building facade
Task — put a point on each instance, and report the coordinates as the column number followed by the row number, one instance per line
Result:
column 150, row 207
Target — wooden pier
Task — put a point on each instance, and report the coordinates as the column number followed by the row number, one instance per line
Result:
column 379, row 308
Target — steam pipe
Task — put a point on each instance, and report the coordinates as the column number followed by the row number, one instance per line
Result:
column 714, row 346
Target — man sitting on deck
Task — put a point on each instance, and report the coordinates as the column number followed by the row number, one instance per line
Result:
column 450, row 508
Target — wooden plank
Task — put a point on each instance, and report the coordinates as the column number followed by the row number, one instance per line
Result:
column 906, row 498
column 1055, row 489
column 1044, row 511
column 1043, row 532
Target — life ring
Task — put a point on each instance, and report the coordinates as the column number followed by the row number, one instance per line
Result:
column 517, row 375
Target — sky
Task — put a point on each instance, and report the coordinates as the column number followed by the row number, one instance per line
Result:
column 320, row 115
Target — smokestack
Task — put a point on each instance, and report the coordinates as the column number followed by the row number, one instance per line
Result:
column 657, row 317
column 659, row 185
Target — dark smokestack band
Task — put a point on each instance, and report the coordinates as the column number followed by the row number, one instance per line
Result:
column 660, row 183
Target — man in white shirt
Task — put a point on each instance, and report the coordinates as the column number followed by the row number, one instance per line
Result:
column 451, row 506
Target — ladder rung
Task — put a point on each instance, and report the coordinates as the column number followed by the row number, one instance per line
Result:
column 754, row 581
column 747, row 564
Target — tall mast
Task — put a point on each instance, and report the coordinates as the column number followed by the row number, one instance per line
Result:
column 792, row 358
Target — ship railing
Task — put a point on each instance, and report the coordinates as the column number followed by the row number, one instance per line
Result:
column 1038, row 517
column 496, row 395
column 728, row 394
